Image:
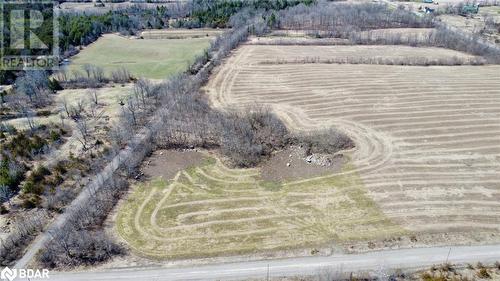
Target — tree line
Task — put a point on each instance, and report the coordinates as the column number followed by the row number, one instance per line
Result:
column 341, row 19
column 354, row 22
column 79, row 29
column 218, row 13
column 247, row 137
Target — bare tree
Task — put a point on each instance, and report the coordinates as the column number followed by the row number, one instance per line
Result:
column 29, row 115
column 130, row 110
column 98, row 74
column 94, row 96
column 23, row 231
column 34, row 84
column 77, row 242
column 80, row 107
column 62, row 75
column 95, row 111
column 66, row 107
column 121, row 75
column 83, row 132
column 87, row 68
column 141, row 90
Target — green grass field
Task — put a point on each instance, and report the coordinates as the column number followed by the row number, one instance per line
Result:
column 149, row 58
column 211, row 210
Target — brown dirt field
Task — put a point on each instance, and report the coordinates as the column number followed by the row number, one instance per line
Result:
column 427, row 138
column 259, row 54
column 167, row 163
column 276, row 169
column 307, row 37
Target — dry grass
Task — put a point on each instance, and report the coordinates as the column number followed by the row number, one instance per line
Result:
column 212, row 210
column 263, row 54
column 108, row 109
column 180, row 33
column 426, row 138
column 108, row 97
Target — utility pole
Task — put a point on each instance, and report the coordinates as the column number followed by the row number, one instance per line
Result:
column 267, row 272
column 448, row 256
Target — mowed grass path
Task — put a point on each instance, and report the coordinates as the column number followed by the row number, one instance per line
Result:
column 212, row 210
column 148, row 58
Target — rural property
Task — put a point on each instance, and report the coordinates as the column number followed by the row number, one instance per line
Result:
column 255, row 140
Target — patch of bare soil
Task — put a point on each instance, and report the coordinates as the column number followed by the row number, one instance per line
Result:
column 167, row 163
column 422, row 240
column 294, row 164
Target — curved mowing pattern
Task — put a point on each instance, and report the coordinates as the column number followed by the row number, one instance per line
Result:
column 428, row 138
column 212, row 210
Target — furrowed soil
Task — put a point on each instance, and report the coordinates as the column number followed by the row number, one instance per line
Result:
column 424, row 170
column 427, row 138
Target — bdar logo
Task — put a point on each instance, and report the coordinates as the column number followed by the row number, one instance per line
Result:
column 24, row 273
column 8, row 274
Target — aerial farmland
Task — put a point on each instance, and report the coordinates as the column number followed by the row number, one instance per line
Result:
column 258, row 140
column 427, row 136
column 424, row 121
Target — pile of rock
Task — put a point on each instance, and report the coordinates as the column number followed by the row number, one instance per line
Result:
column 324, row 160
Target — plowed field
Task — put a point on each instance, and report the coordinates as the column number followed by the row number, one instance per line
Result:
column 428, row 138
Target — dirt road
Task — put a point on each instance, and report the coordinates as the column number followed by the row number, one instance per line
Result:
column 379, row 262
